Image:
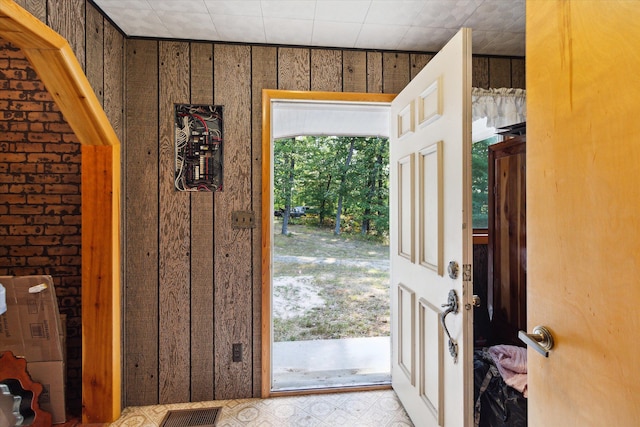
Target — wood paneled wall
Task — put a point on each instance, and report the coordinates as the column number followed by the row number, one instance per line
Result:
column 192, row 283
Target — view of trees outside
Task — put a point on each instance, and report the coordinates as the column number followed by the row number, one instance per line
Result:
column 342, row 181
column 480, row 181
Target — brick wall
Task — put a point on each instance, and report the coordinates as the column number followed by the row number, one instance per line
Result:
column 40, row 196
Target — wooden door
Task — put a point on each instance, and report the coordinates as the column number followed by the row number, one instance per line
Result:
column 583, row 210
column 507, row 278
column 430, row 227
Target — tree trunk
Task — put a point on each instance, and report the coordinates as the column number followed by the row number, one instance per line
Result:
column 287, row 205
column 336, row 231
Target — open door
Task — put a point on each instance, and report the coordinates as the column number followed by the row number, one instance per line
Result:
column 583, row 211
column 431, row 240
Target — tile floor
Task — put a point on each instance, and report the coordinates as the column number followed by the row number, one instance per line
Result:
column 379, row 408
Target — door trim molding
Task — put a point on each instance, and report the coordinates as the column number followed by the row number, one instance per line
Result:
column 269, row 95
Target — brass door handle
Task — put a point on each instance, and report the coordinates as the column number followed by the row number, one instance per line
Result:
column 541, row 339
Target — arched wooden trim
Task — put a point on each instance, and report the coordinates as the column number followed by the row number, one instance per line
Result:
column 56, row 65
column 267, row 209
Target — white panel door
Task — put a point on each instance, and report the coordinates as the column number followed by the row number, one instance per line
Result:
column 430, row 202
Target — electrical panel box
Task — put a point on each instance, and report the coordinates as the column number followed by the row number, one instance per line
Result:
column 199, row 142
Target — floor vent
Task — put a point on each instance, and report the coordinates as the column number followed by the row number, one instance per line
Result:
column 206, row 417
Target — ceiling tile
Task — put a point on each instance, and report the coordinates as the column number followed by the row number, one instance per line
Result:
column 288, row 31
column 138, row 4
column 188, row 25
column 247, row 29
column 342, row 10
column 488, row 42
column 378, row 36
column 446, row 13
column 234, row 7
column 180, row 6
column 294, row 9
column 501, row 15
column 393, row 12
column 143, row 22
column 335, row 34
column 426, row 39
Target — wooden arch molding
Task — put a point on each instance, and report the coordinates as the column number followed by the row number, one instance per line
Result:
column 56, row 65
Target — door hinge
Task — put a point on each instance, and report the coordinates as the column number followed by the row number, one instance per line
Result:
column 466, row 272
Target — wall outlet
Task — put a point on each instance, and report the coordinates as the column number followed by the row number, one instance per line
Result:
column 243, row 219
column 236, row 352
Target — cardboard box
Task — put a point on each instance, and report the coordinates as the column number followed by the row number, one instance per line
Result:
column 51, row 376
column 32, row 328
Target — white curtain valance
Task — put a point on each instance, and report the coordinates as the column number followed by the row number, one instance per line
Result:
column 501, row 107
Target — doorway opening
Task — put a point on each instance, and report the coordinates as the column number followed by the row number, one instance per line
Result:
column 330, row 346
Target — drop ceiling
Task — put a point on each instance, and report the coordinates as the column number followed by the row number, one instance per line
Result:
column 405, row 25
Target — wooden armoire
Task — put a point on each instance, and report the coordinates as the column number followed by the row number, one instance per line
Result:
column 507, row 249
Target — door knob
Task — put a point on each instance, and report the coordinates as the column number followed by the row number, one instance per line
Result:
column 541, row 339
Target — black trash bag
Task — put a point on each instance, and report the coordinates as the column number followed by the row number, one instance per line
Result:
column 496, row 403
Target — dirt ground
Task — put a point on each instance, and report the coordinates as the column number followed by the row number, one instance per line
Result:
column 328, row 287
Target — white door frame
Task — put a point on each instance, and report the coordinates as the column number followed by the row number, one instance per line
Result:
column 268, row 96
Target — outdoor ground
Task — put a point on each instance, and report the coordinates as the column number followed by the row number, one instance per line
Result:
column 327, row 286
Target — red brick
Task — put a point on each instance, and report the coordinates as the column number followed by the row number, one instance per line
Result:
column 4, row 168
column 42, row 178
column 71, row 260
column 72, row 219
column 36, row 127
column 72, row 200
column 61, row 230
column 45, row 137
column 12, row 220
column 26, row 188
column 50, row 116
column 26, row 105
column 23, row 168
column 72, row 158
column 14, row 240
column 19, row 126
column 26, row 209
column 72, row 240
column 14, row 95
column 29, row 147
column 39, row 261
column 4, row 251
column 63, row 250
column 4, row 105
column 12, row 261
column 70, row 138
column 35, row 199
column 27, row 251
column 72, row 178
column 62, row 168
column 14, row 157
column 12, row 198
column 44, row 240
column 12, row 178
column 15, row 115
column 63, row 148
column 62, row 127
column 61, row 209
column 14, row 136
column 43, row 157
column 45, row 219
column 61, row 189
column 26, row 85
column 26, row 230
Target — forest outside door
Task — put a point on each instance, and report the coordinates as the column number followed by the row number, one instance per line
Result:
column 431, row 240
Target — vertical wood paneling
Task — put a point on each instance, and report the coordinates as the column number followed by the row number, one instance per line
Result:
column 264, row 75
column 499, row 72
column 113, row 78
column 67, row 18
column 518, row 73
column 374, row 72
column 293, row 69
column 326, row 70
column 395, row 71
column 141, row 210
column 202, row 338
column 37, row 8
column 175, row 238
column 480, row 72
column 354, row 69
column 418, row 61
column 233, row 273
column 95, row 51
